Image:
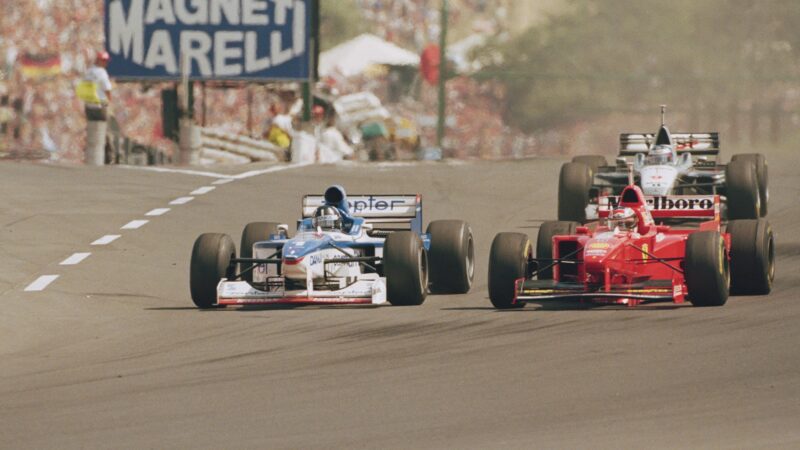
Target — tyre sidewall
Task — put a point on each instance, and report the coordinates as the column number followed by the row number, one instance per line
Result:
column 743, row 201
column 406, row 269
column 707, row 271
column 508, row 262
column 211, row 256
column 574, row 183
column 451, row 257
column 752, row 256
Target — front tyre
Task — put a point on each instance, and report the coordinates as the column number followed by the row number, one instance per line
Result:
column 451, row 256
column 211, row 258
column 405, row 266
column 706, row 269
column 508, row 262
column 752, row 257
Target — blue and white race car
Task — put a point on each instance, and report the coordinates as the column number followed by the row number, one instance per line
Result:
column 363, row 249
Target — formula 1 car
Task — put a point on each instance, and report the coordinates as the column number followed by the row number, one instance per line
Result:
column 665, row 164
column 363, row 249
column 628, row 258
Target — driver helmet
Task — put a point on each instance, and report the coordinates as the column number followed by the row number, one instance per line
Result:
column 623, row 218
column 327, row 218
column 102, row 57
column 660, row 154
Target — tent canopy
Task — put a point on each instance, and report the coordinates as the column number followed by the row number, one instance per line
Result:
column 356, row 55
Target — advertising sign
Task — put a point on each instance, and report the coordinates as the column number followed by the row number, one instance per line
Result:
column 218, row 39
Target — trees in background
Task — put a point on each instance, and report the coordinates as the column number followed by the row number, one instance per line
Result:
column 604, row 56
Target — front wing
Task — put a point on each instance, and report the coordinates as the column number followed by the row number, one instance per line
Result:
column 361, row 292
column 632, row 294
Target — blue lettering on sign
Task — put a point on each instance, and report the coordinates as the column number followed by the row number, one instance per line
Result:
column 218, row 39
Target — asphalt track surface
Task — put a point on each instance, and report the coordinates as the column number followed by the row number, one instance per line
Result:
column 113, row 354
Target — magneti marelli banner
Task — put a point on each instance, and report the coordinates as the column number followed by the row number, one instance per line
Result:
column 218, row 39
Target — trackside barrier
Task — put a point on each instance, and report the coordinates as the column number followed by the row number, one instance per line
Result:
column 222, row 146
column 123, row 150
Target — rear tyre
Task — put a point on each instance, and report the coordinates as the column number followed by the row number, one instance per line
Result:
column 593, row 161
column 544, row 243
column 211, row 258
column 762, row 173
column 706, row 269
column 574, row 183
column 252, row 233
column 752, row 257
column 451, row 257
column 742, row 190
column 508, row 262
column 405, row 266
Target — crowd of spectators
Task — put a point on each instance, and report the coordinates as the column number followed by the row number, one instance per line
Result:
column 475, row 125
column 42, row 111
column 45, row 112
column 415, row 23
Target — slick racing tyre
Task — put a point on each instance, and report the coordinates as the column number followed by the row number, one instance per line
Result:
column 742, row 188
column 451, row 257
column 252, row 233
column 544, row 243
column 752, row 257
column 762, row 174
column 574, row 183
column 706, row 268
column 593, row 161
column 211, row 258
column 405, row 265
column 508, row 262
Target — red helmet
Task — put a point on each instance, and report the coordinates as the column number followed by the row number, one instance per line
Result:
column 103, row 56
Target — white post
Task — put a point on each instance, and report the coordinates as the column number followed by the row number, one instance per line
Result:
column 95, row 153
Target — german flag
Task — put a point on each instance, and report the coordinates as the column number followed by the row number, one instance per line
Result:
column 39, row 66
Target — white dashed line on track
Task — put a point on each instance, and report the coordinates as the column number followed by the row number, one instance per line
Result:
column 74, row 259
column 223, row 181
column 107, row 239
column 134, row 224
column 202, row 190
column 157, row 212
column 181, row 200
column 41, row 283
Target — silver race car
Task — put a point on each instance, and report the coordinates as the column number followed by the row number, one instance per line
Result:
column 364, row 249
column 664, row 164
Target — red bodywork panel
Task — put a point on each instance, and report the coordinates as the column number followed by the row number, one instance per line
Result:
column 621, row 267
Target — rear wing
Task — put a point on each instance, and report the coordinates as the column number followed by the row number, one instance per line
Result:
column 702, row 144
column 670, row 206
column 384, row 212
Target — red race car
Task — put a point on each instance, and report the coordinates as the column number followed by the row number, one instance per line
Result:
column 641, row 250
